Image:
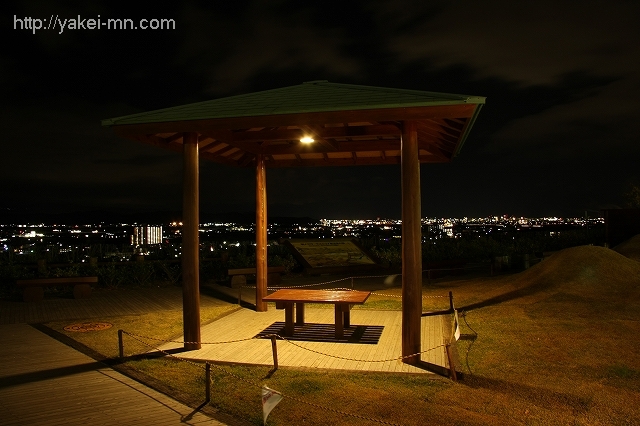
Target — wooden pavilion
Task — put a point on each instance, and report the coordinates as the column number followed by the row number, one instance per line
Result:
column 316, row 123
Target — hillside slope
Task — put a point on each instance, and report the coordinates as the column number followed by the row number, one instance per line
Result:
column 630, row 248
column 579, row 280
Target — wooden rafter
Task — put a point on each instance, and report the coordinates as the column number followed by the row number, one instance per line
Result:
column 439, row 127
column 432, row 134
column 436, row 151
column 246, row 159
column 175, row 138
column 159, row 142
column 425, row 158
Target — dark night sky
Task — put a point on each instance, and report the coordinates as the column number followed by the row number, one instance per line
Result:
column 558, row 134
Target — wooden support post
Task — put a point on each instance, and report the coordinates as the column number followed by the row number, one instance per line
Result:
column 452, row 367
column 261, row 234
column 190, row 244
column 120, row 345
column 207, row 379
column 411, row 244
column 274, row 349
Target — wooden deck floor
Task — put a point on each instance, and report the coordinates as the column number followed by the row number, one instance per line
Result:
column 102, row 303
column 44, row 382
column 246, row 323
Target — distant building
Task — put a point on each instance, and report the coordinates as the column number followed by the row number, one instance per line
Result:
column 146, row 235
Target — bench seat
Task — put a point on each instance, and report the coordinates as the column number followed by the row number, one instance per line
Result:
column 33, row 289
column 239, row 275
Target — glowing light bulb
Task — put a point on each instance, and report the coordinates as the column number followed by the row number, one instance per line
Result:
column 307, row 139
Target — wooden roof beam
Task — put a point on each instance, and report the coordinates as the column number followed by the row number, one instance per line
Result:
column 175, row 138
column 219, row 159
column 221, row 152
column 439, row 127
column 362, row 161
column 432, row 134
column 435, row 151
column 159, row 142
column 214, row 147
column 327, row 144
column 268, row 135
column 354, row 131
column 374, row 145
column 316, row 132
column 204, row 144
column 454, row 124
column 222, row 135
column 246, row 159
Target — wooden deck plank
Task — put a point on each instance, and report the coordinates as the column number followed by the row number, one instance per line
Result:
column 246, row 323
column 101, row 303
column 44, row 382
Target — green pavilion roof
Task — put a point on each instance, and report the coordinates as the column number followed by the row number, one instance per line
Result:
column 353, row 125
column 312, row 96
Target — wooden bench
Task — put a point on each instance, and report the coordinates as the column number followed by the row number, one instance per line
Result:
column 342, row 299
column 33, row 289
column 238, row 276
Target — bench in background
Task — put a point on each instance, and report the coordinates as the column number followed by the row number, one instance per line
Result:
column 239, row 276
column 33, row 289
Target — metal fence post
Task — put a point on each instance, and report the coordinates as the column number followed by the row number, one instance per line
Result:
column 207, row 382
column 120, row 344
column 274, row 349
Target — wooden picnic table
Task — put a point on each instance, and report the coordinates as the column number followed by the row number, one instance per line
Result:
column 342, row 299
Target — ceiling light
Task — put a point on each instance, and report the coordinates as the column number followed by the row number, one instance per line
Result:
column 307, row 139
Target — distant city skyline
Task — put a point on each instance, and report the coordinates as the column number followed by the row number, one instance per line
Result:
column 328, row 222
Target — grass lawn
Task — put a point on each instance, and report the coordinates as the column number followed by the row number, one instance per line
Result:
column 556, row 344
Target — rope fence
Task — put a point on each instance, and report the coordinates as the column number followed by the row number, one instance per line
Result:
column 141, row 339
column 207, row 368
column 145, row 341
